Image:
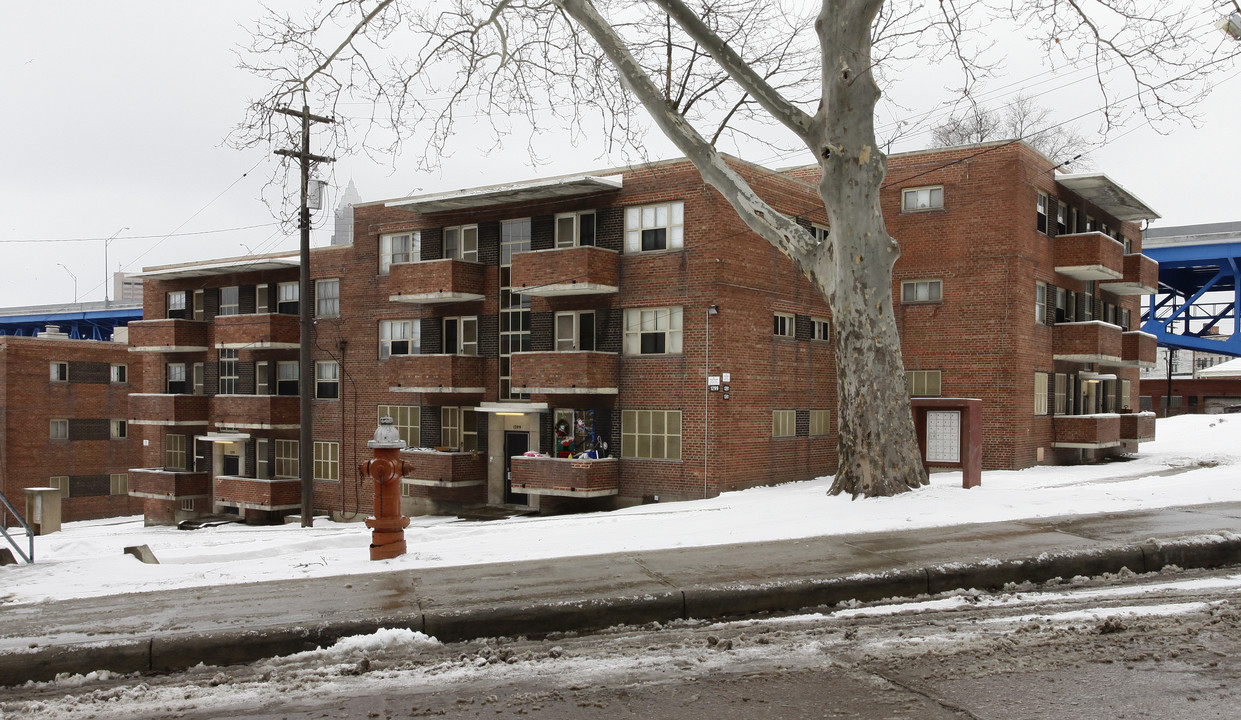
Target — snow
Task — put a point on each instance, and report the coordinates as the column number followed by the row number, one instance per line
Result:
column 1193, row 461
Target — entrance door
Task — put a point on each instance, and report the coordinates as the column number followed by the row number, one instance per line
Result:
column 515, row 443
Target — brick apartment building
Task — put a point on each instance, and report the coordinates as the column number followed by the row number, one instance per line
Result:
column 65, row 423
column 633, row 308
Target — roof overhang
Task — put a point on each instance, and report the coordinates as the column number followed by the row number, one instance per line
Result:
column 533, row 191
column 514, row 408
column 1108, row 195
column 226, row 266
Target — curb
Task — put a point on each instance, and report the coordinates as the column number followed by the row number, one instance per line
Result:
column 176, row 652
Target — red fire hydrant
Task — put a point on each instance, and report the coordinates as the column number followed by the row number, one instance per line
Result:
column 386, row 468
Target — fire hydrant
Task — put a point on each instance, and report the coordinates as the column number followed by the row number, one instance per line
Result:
column 386, row 468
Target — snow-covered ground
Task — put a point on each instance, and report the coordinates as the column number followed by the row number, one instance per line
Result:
column 1193, row 461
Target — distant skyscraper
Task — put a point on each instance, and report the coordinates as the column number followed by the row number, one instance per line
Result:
column 126, row 288
column 344, row 216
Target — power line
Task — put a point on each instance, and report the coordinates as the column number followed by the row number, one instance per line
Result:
column 140, row 237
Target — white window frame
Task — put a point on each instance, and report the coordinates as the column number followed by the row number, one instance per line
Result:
column 175, row 373
column 119, row 373
column 665, row 321
column 1060, row 394
column 118, row 484
column 819, row 232
column 58, row 371
column 783, row 423
column 175, row 304
column 651, row 434
column 926, row 291
column 327, row 298
column 262, row 459
column 118, row 429
column 820, row 423
column 643, row 219
column 925, row 383
column 230, row 371
column 262, row 298
column 1040, row 393
column 567, row 331
column 287, row 461
column 288, row 298
column 1126, row 388
column 200, row 308
column 58, row 429
column 1043, row 218
column 571, row 224
column 395, row 332
column 327, row 461
column 465, row 327
column 461, row 243
column 198, row 378
column 397, row 248
column 919, row 199
column 230, row 305
column 784, row 325
column 327, row 377
column 1040, row 302
column 1062, row 218
column 288, row 377
column 459, row 428
column 174, row 452
column 820, row 329
column 407, row 419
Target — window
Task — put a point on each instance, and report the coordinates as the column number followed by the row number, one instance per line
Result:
column 923, row 383
column 199, row 375
column 174, row 452
column 327, row 380
column 176, row 304
column 783, row 325
column 783, row 423
column 575, row 229
column 924, row 198
column 461, row 243
column 575, row 331
column 59, row 371
column 575, row 431
column 187, row 505
column 176, row 378
column 398, row 249
column 200, row 312
column 1040, row 393
column 120, row 373
column 922, row 291
column 327, row 298
column 820, row 422
column 288, row 295
column 407, row 488
column 262, row 378
column 461, row 335
column 653, row 331
column 262, row 299
column 515, row 317
column 405, row 418
column 230, row 300
column 819, row 232
column 1122, row 318
column 397, row 337
column 118, row 484
column 59, row 430
column 1062, row 218
column 459, row 428
column 286, row 459
column 1125, row 388
column 1040, row 302
column 655, row 227
column 288, row 376
column 119, row 429
column 651, row 434
column 60, row 482
column 1041, row 209
column 327, row 461
column 1060, row 394
column 262, row 459
column 229, row 371
column 820, row 329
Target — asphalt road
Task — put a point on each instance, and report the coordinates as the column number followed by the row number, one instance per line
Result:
column 1166, row 645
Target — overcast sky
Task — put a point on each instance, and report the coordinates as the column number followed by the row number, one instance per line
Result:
column 115, row 116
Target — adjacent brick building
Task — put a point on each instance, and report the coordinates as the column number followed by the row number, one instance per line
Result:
column 65, row 411
column 631, row 309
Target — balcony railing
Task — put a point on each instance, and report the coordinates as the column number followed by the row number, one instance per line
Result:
column 173, row 335
column 164, row 484
column 437, row 373
column 1087, row 342
column 256, row 411
column 1089, row 256
column 1138, row 349
column 168, row 409
column 566, row 477
column 582, row 270
column 437, row 281
column 1137, row 427
column 566, row 373
column 1090, row 432
column 1141, row 277
column 257, row 332
column 455, row 477
column 258, row 493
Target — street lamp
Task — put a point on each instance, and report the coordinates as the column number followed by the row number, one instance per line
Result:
column 75, row 282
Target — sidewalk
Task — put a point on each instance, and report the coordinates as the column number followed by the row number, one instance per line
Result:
column 170, row 630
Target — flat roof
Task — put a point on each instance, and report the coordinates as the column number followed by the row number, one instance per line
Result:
column 225, row 266
column 1203, row 234
column 1109, row 195
column 520, row 192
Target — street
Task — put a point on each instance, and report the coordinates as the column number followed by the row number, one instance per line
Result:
column 1164, row 645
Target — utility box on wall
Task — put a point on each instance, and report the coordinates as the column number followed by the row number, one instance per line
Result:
column 43, row 509
column 950, row 435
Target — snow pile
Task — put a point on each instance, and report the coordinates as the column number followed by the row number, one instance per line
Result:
column 1191, row 462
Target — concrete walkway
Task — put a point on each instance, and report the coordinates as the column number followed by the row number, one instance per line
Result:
column 169, row 630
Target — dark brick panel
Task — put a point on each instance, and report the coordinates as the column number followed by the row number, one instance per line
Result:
column 430, row 426
column 90, row 372
column 542, row 331
column 89, row 486
column 89, row 429
column 431, row 243
column 542, row 232
column 489, row 243
column 610, row 228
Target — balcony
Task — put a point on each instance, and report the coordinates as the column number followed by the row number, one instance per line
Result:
column 162, row 409
column 1137, row 427
column 161, row 484
column 1138, row 349
column 438, row 373
column 168, row 336
column 582, row 270
column 566, row 477
column 1141, row 277
column 1089, row 432
column 258, row 332
column 256, row 411
column 1093, row 341
column 437, row 281
column 456, row 477
column 566, row 373
column 1089, row 256
column 257, row 493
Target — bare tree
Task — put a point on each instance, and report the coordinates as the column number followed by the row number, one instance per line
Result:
column 1021, row 119
column 725, row 66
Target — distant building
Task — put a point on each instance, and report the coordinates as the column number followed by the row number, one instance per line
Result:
column 126, row 288
column 344, row 216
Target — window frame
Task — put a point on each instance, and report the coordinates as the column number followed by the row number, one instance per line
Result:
column 388, row 256
column 784, row 325
column 1040, row 393
column 1040, row 302
column 229, row 367
column 464, row 245
column 119, row 373
column 327, row 304
column 288, row 298
column 635, row 336
column 118, row 429
column 1041, row 209
column 327, row 384
column 641, row 219
column 326, row 461
column 459, row 428
column 576, row 230
column 407, row 420
column 58, row 371
column 233, row 307
column 175, row 456
column 934, row 287
column 820, row 329
column 820, row 423
column 574, row 343
column 286, row 461
column 412, row 339
column 921, row 379
column 175, row 305
column 783, row 424
column 455, row 329
column 285, row 385
column 174, row 380
column 917, row 192
column 58, row 429
column 632, row 436
column 118, row 480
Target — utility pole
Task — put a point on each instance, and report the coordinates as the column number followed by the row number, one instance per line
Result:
column 306, row 367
